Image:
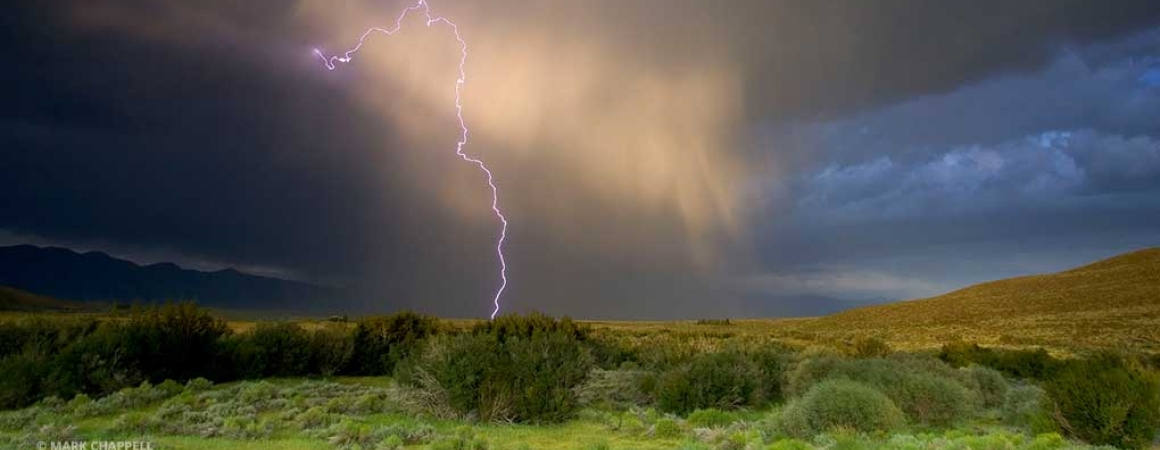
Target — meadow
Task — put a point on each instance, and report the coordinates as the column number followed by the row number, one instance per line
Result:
column 181, row 377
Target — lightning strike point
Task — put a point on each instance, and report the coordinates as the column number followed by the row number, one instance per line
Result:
column 347, row 56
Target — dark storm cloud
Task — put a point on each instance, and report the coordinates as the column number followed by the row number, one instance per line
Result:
column 209, row 131
column 1058, row 167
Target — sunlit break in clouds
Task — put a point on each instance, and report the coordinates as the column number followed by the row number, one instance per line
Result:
column 426, row 11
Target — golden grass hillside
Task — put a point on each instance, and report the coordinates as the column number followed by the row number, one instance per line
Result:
column 1114, row 303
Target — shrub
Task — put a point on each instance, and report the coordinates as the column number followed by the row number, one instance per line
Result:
column 198, row 385
column 723, row 380
column 931, row 400
column 617, row 389
column 95, row 363
column 281, row 349
column 771, row 365
column 409, row 433
column 988, row 383
column 522, row 379
column 840, row 403
column 331, row 348
column 379, row 343
column 20, row 383
column 526, row 326
column 1103, row 400
column 175, row 341
column 391, row 442
column 870, row 347
column 170, row 388
column 1021, row 406
column 550, row 366
column 925, row 389
column 349, row 434
column 314, row 417
column 1032, row 364
column 666, row 428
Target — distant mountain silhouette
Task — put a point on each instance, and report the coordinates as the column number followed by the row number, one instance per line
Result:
column 95, row 276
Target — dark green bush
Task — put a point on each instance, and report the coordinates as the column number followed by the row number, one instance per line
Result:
column 281, row 349
column 525, row 326
column 20, row 380
column 771, row 367
column 242, row 359
column 723, row 380
column 545, row 370
column 1025, row 364
column 1105, row 400
column 175, row 341
column 96, row 364
column 932, row 400
column 839, row 404
column 331, row 348
column 381, row 342
column 528, row 377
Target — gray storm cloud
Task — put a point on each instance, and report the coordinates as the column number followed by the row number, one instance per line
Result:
column 625, row 136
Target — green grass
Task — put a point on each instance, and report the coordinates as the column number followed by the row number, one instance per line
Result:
column 590, row 431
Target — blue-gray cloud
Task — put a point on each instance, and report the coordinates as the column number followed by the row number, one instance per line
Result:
column 1015, row 174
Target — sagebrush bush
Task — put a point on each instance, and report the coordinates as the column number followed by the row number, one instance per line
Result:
column 198, row 384
column 723, row 380
column 666, row 428
column 522, row 379
column 840, row 404
column 927, row 390
column 988, row 383
column 617, row 389
column 1105, row 400
column 932, row 400
column 1022, row 405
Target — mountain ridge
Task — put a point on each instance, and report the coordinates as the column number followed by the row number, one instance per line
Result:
column 96, row 276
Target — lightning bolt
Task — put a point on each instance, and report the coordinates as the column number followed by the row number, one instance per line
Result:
column 331, row 63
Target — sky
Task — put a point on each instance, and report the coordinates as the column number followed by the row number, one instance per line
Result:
column 656, row 158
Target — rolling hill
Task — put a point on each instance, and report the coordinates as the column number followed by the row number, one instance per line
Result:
column 1106, row 304
column 95, row 276
column 17, row 300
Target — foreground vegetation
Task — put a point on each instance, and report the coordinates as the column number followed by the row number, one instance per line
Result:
column 170, row 376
